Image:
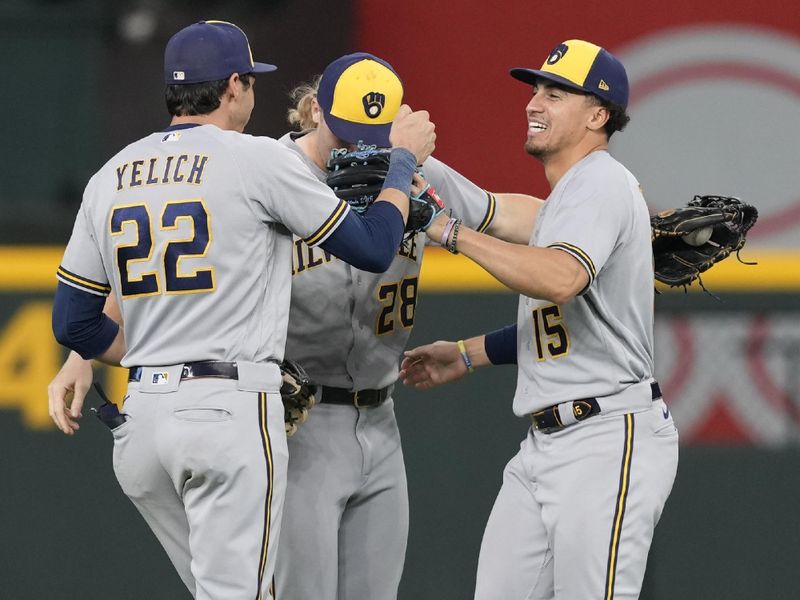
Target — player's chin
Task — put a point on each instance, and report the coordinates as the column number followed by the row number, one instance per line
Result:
column 537, row 150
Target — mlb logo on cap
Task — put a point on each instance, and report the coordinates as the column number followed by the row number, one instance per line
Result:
column 359, row 95
column 585, row 67
column 209, row 51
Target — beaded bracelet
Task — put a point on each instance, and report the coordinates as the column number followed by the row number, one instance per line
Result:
column 446, row 232
column 463, row 349
column 451, row 246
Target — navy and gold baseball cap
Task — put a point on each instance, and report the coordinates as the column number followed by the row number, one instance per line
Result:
column 360, row 95
column 209, row 51
column 584, row 67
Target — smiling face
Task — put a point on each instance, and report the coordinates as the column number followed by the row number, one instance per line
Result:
column 558, row 120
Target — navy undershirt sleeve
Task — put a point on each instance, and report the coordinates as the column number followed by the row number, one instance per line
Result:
column 79, row 322
column 501, row 345
column 370, row 241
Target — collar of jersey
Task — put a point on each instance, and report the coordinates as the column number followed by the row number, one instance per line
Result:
column 181, row 126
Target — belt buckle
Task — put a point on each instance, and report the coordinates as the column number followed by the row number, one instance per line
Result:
column 355, row 399
column 535, row 422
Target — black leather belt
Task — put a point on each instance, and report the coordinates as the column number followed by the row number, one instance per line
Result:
column 548, row 420
column 359, row 399
column 196, row 370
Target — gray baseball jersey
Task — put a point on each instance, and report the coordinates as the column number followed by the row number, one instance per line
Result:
column 349, row 328
column 589, row 493
column 191, row 229
column 602, row 342
column 200, row 275
column 346, row 520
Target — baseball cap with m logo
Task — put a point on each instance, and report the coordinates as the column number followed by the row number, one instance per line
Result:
column 585, row 67
column 359, row 95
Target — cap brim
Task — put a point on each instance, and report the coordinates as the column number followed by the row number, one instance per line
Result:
column 531, row 75
column 263, row 68
column 352, row 133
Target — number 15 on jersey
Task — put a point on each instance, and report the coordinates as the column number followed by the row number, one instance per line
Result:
column 550, row 333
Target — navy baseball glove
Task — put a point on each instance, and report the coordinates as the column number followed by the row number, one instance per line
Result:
column 688, row 241
column 297, row 393
column 357, row 178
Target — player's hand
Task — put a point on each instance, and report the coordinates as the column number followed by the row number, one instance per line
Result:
column 414, row 131
column 435, row 231
column 433, row 364
column 418, row 184
column 67, row 391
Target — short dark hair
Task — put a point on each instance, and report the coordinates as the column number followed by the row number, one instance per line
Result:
column 617, row 116
column 199, row 98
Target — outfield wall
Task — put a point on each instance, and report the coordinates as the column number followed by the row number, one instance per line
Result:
column 728, row 368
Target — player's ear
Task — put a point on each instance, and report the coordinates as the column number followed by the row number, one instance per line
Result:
column 316, row 111
column 598, row 117
column 234, row 87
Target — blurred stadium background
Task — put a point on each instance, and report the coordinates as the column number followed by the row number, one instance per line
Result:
column 715, row 109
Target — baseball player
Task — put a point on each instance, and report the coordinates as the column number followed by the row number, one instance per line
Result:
column 173, row 225
column 345, row 525
column 575, row 515
column 345, row 521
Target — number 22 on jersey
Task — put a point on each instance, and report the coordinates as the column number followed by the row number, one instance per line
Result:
column 549, row 333
column 137, row 217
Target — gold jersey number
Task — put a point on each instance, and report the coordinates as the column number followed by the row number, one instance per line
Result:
column 549, row 332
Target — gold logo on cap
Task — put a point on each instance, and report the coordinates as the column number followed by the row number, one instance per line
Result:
column 373, row 104
column 603, row 86
column 557, row 53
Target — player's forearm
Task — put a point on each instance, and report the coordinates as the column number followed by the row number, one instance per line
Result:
column 397, row 185
column 116, row 351
column 397, row 199
column 476, row 351
column 79, row 323
column 515, row 218
column 543, row 273
column 370, row 241
column 496, row 348
column 501, row 345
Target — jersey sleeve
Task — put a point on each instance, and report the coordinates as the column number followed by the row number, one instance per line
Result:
column 586, row 221
column 474, row 205
column 82, row 265
column 285, row 191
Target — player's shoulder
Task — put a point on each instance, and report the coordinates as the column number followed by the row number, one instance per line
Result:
column 265, row 154
column 132, row 151
column 600, row 164
column 246, row 142
column 604, row 173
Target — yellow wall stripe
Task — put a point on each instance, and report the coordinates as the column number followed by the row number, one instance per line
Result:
column 29, row 268
column 33, row 269
column 619, row 510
